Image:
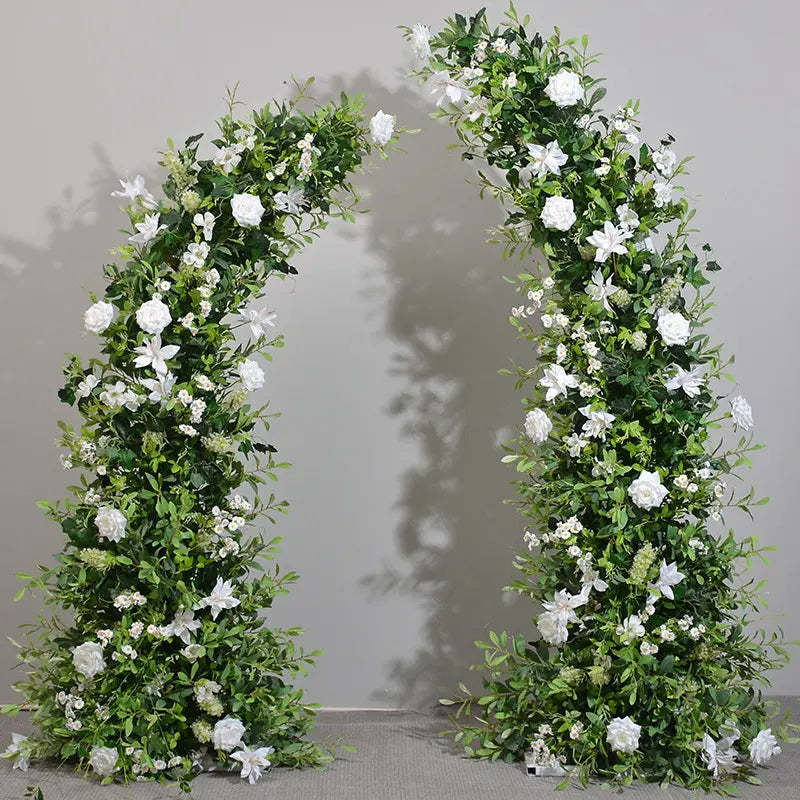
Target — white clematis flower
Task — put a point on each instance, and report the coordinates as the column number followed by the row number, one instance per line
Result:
column 597, row 422
column 718, row 756
column 631, row 628
column 253, row 761
column 420, row 41
column 609, row 240
column 160, row 387
column 667, row 578
column 153, row 354
column 557, row 382
column 446, row 88
column 147, row 230
column 258, row 321
column 206, row 222
column 291, row 202
column 546, row 158
column 18, row 752
column 691, row 381
column 184, row 624
column 221, row 597
column 558, row 613
column 135, row 188
column 600, row 290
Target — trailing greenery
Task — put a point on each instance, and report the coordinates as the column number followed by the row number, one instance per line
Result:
column 649, row 664
column 164, row 651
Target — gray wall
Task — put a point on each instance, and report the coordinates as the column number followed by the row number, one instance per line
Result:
column 392, row 407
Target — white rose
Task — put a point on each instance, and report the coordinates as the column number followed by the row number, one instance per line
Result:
column 538, row 425
column 381, row 128
column 742, row 413
column 564, row 88
column 252, row 376
column 98, row 317
column 623, row 734
column 153, row 316
column 227, row 734
column 103, row 760
column 558, row 213
column 87, row 658
column 763, row 747
column 110, row 523
column 674, row 328
column 247, row 210
column 552, row 627
column 420, row 40
column 647, row 490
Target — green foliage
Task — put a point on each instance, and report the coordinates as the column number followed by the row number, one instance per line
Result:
column 184, row 527
column 700, row 662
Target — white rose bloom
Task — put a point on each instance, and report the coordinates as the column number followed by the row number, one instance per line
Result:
column 247, row 210
column 420, row 41
column 538, row 425
column 251, row 375
column 153, row 316
column 623, row 734
column 564, row 88
column 742, row 413
column 663, row 193
column 647, row 490
column 381, row 128
column 87, row 658
column 558, row 213
column 763, row 747
column 110, row 523
column 553, row 629
column 98, row 317
column 103, row 760
column 674, row 328
column 227, row 734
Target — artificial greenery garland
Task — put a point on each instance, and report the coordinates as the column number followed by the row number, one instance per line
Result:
column 646, row 666
column 167, row 664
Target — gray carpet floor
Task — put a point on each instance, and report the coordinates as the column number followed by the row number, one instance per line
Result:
column 399, row 757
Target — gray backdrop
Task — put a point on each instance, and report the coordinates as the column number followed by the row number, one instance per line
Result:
column 392, row 408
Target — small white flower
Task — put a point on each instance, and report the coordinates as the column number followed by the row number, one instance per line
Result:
column 98, row 317
column 627, row 217
column 381, row 128
column 583, row 122
column 564, row 88
column 665, row 161
column 188, row 430
column 247, row 210
column 647, row 490
column 610, row 239
column 196, row 254
column 622, row 733
column 510, row 81
column 742, row 413
column 631, row 628
column 86, row 386
column 538, row 425
column 500, row 45
column 147, row 230
column 575, row 444
column 206, row 222
column 228, row 157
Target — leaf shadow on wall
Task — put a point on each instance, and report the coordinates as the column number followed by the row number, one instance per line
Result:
column 446, row 306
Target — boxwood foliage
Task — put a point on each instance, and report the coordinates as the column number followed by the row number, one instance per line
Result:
column 185, row 527
column 585, row 534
